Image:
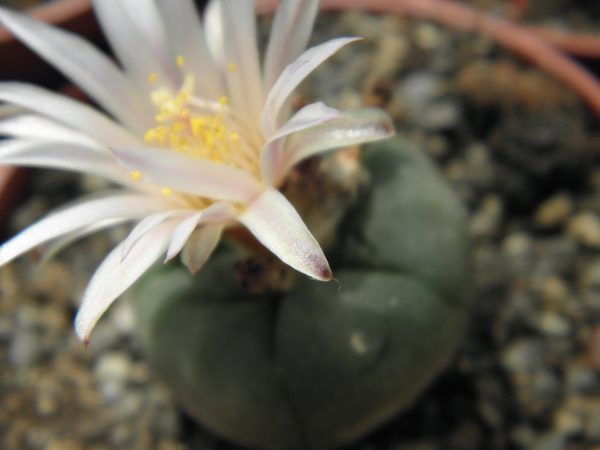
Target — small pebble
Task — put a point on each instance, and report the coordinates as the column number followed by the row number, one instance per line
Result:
column 524, row 356
column 585, row 228
column 517, row 244
column 581, row 379
column 554, row 211
column 486, row 219
column 553, row 324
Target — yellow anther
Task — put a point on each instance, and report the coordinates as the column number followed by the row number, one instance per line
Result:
column 234, row 136
column 231, row 67
column 185, row 113
column 150, row 134
column 177, row 127
column 180, row 61
column 152, row 78
column 135, row 175
column 223, row 101
column 166, row 191
column 159, row 118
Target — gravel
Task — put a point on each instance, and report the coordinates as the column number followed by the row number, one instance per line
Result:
column 518, row 149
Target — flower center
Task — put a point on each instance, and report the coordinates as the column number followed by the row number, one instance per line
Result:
column 199, row 128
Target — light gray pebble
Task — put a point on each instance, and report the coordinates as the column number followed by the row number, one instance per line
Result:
column 486, row 219
column 581, row 379
column 122, row 318
column 113, row 366
column 129, row 404
column 524, row 356
column 417, row 90
column 551, row 441
column 26, row 348
column 517, row 244
column 439, row 115
column 552, row 324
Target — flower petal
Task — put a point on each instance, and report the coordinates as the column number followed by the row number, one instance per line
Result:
column 291, row 29
column 56, row 155
column 213, row 32
column 80, row 215
column 46, row 251
column 275, row 223
column 68, row 111
column 218, row 213
column 359, row 126
column 37, row 127
column 114, row 276
column 190, row 175
column 83, row 64
column 140, row 51
column 200, row 245
column 309, row 116
column 244, row 84
column 147, row 225
column 292, row 75
column 185, row 33
column 181, row 235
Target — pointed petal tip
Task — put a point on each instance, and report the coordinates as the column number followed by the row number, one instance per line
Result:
column 325, row 274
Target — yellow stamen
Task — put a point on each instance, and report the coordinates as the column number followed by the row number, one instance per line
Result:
column 166, row 191
column 150, row 134
column 231, row 67
column 152, row 78
column 180, row 61
column 135, row 175
column 223, row 101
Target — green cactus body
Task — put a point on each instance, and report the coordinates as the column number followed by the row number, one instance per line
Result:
column 324, row 363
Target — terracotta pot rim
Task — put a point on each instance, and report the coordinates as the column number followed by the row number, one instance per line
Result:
column 55, row 12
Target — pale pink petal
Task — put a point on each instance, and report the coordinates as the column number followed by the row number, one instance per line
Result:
column 242, row 71
column 292, row 75
column 275, row 223
column 213, row 32
column 37, row 127
column 80, row 215
column 308, row 117
column 148, row 224
column 68, row 111
column 46, row 251
column 185, row 33
column 181, row 235
column 190, row 175
column 200, row 245
column 359, row 126
column 83, row 64
column 136, row 51
column 114, row 276
column 289, row 35
column 218, row 213
column 56, row 155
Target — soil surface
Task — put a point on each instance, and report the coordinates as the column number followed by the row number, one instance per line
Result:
column 520, row 149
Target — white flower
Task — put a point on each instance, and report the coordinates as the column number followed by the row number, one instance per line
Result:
column 199, row 138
